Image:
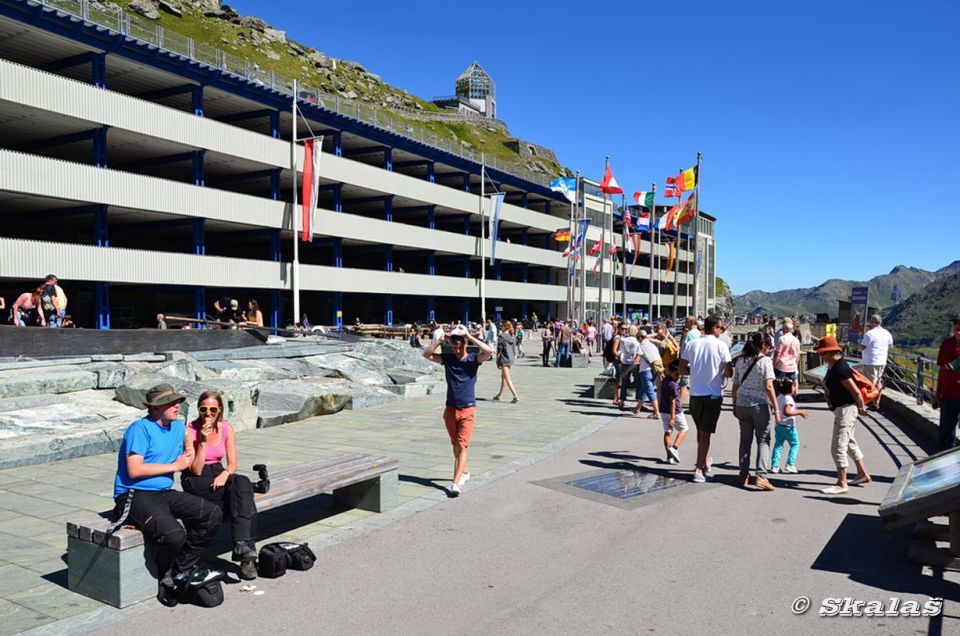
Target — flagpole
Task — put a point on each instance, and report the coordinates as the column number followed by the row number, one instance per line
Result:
column 295, row 271
column 623, row 255
column 570, row 271
column 676, row 255
column 581, row 216
column 696, row 240
column 652, row 228
column 483, row 241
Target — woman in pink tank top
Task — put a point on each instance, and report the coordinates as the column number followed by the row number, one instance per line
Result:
column 212, row 440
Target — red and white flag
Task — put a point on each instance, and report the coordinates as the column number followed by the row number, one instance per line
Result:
column 310, row 188
column 609, row 184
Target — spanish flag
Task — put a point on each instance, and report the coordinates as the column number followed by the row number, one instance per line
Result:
column 687, row 180
column 687, row 212
column 562, row 235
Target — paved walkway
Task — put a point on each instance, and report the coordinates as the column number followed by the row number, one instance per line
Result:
column 523, row 550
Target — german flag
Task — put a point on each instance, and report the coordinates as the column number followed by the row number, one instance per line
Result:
column 562, row 236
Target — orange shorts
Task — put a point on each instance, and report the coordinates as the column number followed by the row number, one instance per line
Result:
column 460, row 424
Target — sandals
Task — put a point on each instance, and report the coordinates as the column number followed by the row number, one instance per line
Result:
column 496, row 398
column 653, row 417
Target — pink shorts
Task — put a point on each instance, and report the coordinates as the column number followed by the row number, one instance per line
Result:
column 459, row 424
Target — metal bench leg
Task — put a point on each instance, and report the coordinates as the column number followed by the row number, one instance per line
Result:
column 376, row 495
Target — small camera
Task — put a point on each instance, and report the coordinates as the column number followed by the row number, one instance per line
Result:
column 262, row 486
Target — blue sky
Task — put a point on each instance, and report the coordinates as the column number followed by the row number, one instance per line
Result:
column 828, row 128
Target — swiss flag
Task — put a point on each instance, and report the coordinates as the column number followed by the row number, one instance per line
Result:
column 609, row 184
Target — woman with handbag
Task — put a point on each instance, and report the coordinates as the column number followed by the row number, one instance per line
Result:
column 213, row 439
column 753, row 398
column 506, row 356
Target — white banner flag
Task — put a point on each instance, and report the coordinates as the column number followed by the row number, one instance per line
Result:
column 497, row 200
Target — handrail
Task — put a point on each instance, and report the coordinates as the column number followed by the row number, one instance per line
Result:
column 131, row 26
column 910, row 374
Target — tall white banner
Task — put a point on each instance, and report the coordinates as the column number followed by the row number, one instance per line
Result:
column 494, row 226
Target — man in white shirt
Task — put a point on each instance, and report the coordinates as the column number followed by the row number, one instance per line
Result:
column 707, row 361
column 876, row 344
column 438, row 332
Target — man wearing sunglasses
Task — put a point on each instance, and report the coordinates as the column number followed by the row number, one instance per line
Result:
column 461, row 409
column 153, row 449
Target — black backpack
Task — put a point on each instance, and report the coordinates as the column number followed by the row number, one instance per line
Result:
column 608, row 354
column 276, row 558
column 208, row 594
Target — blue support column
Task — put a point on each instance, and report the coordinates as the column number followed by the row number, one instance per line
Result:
column 523, row 309
column 466, row 267
column 199, row 242
column 338, row 252
column 431, row 175
column 275, row 308
column 197, row 99
column 388, row 309
column 275, row 245
column 465, row 305
column 98, row 70
column 275, row 124
column 200, row 303
column 432, row 217
column 338, row 310
column 388, row 159
column 100, row 147
column 525, row 236
column 466, row 224
column 466, row 182
column 338, row 144
column 102, row 303
column 338, row 197
column 523, row 199
column 431, row 308
column 432, row 263
column 101, row 226
column 497, row 273
column 524, row 273
column 388, row 258
column 388, row 208
column 197, row 164
column 275, row 184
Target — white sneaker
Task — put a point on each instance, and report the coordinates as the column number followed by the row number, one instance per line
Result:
column 706, row 469
column 674, row 454
column 776, row 469
column 454, row 490
column 790, row 468
column 699, row 478
column 464, row 478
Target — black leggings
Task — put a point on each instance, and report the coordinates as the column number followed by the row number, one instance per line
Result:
column 235, row 500
column 155, row 514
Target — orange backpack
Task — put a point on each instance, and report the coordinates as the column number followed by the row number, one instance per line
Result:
column 868, row 390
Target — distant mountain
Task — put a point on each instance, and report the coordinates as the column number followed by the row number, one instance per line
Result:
column 885, row 290
column 924, row 318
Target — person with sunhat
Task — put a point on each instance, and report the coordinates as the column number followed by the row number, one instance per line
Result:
column 153, row 449
column 947, row 396
column 846, row 402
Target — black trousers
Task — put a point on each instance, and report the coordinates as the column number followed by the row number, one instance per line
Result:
column 235, row 501
column 155, row 514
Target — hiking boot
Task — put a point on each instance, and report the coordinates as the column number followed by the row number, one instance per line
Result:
column 763, row 484
column 167, row 591
column 248, row 569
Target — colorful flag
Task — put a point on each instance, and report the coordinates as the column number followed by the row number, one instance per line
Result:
column 596, row 265
column 609, row 184
column 673, row 253
column 494, row 227
column 644, row 198
column 613, row 250
column 310, row 187
column 596, row 248
column 687, row 212
column 643, row 223
column 687, row 180
column 661, row 223
column 567, row 186
column 670, row 217
column 562, row 236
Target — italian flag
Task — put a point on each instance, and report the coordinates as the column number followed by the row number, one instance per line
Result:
column 644, row 198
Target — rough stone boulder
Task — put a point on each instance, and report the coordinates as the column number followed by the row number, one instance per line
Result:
column 356, row 370
column 110, row 375
column 171, row 7
column 283, row 401
column 38, row 381
column 240, row 409
column 391, row 354
column 149, row 9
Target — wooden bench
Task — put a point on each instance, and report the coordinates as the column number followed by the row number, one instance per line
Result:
column 118, row 569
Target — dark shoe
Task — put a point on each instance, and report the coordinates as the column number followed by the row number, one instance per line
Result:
column 197, row 575
column 167, row 592
column 248, row 569
column 243, row 550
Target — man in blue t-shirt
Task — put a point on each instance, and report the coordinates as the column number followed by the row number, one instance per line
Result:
column 153, row 449
column 460, row 413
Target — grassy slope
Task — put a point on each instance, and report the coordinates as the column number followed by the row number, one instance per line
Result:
column 224, row 35
column 923, row 319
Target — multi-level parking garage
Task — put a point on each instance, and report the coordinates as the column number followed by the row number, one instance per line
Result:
column 150, row 181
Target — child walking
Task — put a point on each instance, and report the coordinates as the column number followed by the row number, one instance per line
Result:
column 786, row 429
column 671, row 413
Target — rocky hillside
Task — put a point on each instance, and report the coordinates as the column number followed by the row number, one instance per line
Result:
column 924, row 318
column 268, row 47
column 726, row 301
column 886, row 290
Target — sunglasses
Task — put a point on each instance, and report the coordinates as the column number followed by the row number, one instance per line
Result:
column 212, row 410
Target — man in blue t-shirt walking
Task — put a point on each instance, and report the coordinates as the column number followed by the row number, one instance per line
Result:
column 153, row 449
column 461, row 409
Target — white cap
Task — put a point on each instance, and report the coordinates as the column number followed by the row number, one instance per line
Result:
column 459, row 330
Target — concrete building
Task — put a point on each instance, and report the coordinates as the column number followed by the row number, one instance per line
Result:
column 152, row 174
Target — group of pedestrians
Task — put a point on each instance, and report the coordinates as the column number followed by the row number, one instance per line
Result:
column 44, row 306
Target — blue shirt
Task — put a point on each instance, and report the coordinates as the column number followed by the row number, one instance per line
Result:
column 157, row 445
column 670, row 390
column 461, row 379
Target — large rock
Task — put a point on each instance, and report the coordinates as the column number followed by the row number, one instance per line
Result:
column 45, row 380
column 49, row 414
column 171, row 7
column 110, row 375
column 285, row 401
column 239, row 406
column 147, row 8
column 186, row 368
column 350, row 368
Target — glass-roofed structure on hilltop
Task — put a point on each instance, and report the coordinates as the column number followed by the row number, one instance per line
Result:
column 475, row 85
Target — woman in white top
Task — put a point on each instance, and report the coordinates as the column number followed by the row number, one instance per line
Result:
column 629, row 359
column 753, row 398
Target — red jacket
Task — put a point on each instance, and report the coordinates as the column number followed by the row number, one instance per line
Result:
column 948, row 381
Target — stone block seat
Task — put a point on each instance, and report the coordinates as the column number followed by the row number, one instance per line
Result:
column 117, row 568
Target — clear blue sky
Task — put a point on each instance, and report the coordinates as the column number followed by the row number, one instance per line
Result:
column 828, row 128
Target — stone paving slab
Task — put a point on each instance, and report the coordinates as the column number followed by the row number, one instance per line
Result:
column 41, row 498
